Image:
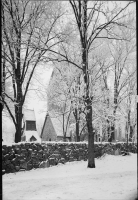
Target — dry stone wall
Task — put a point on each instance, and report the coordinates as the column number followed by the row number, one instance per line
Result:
column 26, row 156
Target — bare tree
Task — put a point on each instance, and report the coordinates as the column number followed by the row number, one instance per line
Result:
column 26, row 25
column 94, row 20
column 86, row 17
column 123, row 69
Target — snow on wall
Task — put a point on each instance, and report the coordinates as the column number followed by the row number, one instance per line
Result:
column 26, row 156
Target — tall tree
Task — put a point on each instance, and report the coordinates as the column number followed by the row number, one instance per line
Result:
column 26, row 25
column 123, row 55
column 87, row 17
column 94, row 20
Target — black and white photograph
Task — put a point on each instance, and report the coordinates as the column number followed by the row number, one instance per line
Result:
column 69, row 100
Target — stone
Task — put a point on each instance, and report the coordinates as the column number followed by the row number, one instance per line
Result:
column 11, row 156
column 7, row 169
column 23, row 165
column 4, row 151
column 17, row 168
column 125, row 154
column 7, row 162
column 13, row 170
column 33, row 155
column 44, row 164
column 34, row 147
column 4, row 146
column 117, row 152
column 81, row 157
column 85, row 159
column 57, row 156
column 24, row 151
column 71, row 159
column 22, row 170
column 45, row 156
column 39, row 155
column 40, row 151
column 9, row 148
column 62, row 160
column 22, row 161
column 28, row 158
column 29, row 166
column 39, row 148
column 17, row 151
column 6, row 157
column 35, row 160
column 52, row 161
column 3, row 171
column 36, row 165
column 17, row 156
column 3, row 159
column 30, row 150
column 14, row 160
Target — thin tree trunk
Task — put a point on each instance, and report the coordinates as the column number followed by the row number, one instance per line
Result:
column 77, row 125
column 113, row 126
column 128, row 128
column 107, row 121
column 3, row 83
column 88, row 99
column 108, row 130
column 115, row 108
column 77, row 131
column 64, row 132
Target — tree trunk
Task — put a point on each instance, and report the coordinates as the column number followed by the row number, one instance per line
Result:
column 129, row 125
column 107, row 121
column 108, row 131
column 77, row 125
column 64, row 132
column 91, row 160
column 128, row 129
column 18, row 132
column 18, row 105
column 88, row 98
column 115, row 108
column 77, row 131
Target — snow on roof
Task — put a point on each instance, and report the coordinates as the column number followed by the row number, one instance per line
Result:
column 29, row 115
column 29, row 134
column 57, row 122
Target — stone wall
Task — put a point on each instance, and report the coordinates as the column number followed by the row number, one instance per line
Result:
column 26, row 156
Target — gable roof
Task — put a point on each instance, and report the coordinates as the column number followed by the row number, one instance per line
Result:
column 29, row 115
column 57, row 123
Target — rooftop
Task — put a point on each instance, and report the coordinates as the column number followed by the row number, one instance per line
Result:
column 57, row 121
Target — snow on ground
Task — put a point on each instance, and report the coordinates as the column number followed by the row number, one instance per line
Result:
column 115, row 177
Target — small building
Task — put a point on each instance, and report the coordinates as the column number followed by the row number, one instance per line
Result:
column 53, row 129
column 29, row 132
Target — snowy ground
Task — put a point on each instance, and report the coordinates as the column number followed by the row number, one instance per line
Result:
column 115, row 177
